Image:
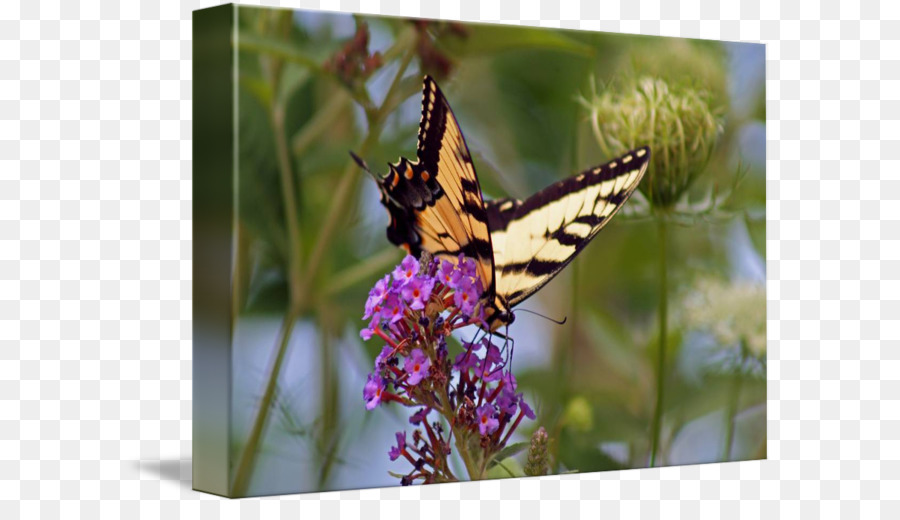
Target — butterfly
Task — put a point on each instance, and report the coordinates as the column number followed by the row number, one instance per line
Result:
column 436, row 206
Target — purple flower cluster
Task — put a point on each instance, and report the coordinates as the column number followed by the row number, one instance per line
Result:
column 470, row 402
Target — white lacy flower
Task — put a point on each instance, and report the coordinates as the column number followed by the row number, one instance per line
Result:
column 731, row 312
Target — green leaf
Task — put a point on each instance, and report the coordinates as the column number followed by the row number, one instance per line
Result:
column 489, row 39
column 292, row 79
column 277, row 48
column 509, row 451
column 505, row 469
column 259, row 88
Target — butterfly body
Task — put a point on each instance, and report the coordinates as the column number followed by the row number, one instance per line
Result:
column 436, row 205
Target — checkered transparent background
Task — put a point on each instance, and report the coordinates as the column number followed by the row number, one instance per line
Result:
column 95, row 270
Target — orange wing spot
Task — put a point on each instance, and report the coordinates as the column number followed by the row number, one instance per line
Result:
column 394, row 180
column 405, row 247
column 425, row 176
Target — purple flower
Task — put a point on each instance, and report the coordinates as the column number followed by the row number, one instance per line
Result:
column 509, row 382
column 448, row 274
column 372, row 391
column 398, row 450
column 416, row 352
column 376, row 297
column 487, row 423
column 465, row 297
column 488, row 373
column 382, row 358
column 419, row 416
column 417, row 291
column 466, row 360
column 407, row 269
column 479, row 286
column 486, row 366
column 507, row 402
column 442, row 348
column 417, row 365
column 525, row 408
column 366, row 333
column 466, row 266
column 393, row 309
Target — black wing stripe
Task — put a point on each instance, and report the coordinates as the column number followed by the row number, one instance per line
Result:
column 535, row 268
column 500, row 212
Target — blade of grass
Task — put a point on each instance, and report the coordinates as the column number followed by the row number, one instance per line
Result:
column 364, row 270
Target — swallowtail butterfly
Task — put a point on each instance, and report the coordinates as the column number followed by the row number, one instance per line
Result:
column 436, row 206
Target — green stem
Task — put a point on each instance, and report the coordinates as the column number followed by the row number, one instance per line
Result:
column 290, row 203
column 656, row 426
column 248, row 455
column 329, row 438
column 348, row 180
column 321, row 122
column 300, row 288
column 460, row 437
column 733, row 402
column 365, row 270
column 731, row 412
column 461, row 441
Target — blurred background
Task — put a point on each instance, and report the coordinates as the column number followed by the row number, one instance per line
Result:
column 662, row 358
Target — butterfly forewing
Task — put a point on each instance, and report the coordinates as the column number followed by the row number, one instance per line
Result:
column 435, row 203
column 534, row 239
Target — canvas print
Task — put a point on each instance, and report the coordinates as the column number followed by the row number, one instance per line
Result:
column 428, row 251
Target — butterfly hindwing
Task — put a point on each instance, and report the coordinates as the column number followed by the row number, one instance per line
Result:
column 534, row 239
column 435, row 203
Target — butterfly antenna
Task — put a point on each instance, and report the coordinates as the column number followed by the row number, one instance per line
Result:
column 548, row 318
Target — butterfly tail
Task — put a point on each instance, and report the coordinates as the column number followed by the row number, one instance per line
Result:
column 362, row 164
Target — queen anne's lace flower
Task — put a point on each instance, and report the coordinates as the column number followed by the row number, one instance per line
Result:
column 734, row 313
column 474, row 395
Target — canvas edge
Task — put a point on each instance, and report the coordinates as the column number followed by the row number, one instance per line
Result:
column 212, row 246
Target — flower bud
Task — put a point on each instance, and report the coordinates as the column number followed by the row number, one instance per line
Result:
column 538, row 458
column 676, row 121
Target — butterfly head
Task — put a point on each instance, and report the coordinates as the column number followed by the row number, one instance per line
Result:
column 498, row 315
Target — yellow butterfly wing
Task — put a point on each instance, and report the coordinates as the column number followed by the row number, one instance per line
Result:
column 535, row 239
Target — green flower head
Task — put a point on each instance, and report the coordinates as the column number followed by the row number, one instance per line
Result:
column 677, row 122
